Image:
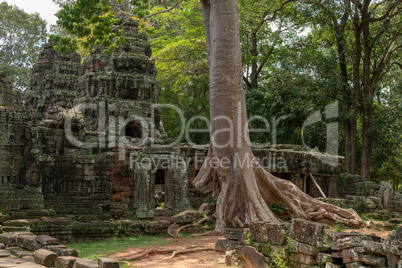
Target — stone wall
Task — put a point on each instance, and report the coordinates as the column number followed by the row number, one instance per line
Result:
column 306, row 244
column 19, row 189
column 367, row 194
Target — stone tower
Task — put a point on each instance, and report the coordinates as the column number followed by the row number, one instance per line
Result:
column 19, row 186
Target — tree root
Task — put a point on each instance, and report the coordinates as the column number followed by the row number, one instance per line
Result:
column 184, row 251
column 175, row 228
column 243, row 195
column 167, row 251
column 149, row 252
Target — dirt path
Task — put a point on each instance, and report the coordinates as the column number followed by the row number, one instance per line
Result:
column 196, row 259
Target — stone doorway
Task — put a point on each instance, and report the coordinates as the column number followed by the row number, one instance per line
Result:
column 160, row 189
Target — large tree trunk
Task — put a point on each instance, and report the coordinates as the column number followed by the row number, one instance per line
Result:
column 242, row 186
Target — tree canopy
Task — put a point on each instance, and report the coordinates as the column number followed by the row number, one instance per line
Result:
column 22, row 36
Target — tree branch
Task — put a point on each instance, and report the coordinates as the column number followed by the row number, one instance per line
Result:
column 389, row 10
column 164, row 11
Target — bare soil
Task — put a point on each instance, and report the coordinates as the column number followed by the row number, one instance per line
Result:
column 194, row 259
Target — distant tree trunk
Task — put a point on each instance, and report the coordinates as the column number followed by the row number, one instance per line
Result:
column 356, row 95
column 368, row 95
column 244, row 189
column 346, row 94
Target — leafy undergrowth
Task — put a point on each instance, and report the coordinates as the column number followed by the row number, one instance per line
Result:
column 95, row 249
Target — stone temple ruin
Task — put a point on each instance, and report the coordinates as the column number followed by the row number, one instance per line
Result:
column 75, row 145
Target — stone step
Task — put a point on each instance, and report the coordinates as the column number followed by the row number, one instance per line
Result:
column 10, row 229
column 16, row 223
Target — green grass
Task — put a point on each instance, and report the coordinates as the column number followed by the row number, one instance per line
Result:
column 93, row 250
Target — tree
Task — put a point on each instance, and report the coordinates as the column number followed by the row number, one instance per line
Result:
column 244, row 188
column 178, row 46
column 261, row 34
column 22, row 36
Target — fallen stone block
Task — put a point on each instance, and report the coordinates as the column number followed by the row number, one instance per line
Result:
column 353, row 255
column 65, row 262
column 331, row 265
column 304, row 248
column 62, row 250
column 85, row 263
column 29, row 259
column 348, row 242
column 273, row 233
column 4, row 253
column 28, row 242
column 46, row 240
column 355, row 265
column 187, row 216
column 8, row 239
column 392, row 260
column 108, row 263
column 20, row 253
column 305, row 259
column 393, row 247
column 375, row 260
column 226, row 244
column 2, row 246
column 307, row 232
column 323, row 258
column 373, row 247
column 336, row 254
column 253, row 258
column 45, row 257
column 334, row 236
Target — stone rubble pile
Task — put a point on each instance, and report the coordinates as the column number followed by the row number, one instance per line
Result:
column 306, row 244
column 26, row 250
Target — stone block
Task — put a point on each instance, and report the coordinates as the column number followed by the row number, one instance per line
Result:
column 304, row 248
column 46, row 240
column 187, row 216
column 85, row 263
column 253, row 258
column 353, row 255
column 16, row 223
column 334, row 236
column 20, row 253
column 375, row 260
column 28, row 242
column 373, row 247
column 226, row 244
column 348, row 242
column 337, row 254
column 108, row 263
column 331, row 265
column 29, row 259
column 393, row 260
column 273, row 233
column 233, row 233
column 305, row 259
column 2, row 246
column 393, row 247
column 62, row 250
column 4, row 254
column 8, row 239
column 45, row 257
column 280, row 251
column 65, row 262
column 307, row 232
column 324, row 258
column 354, row 265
